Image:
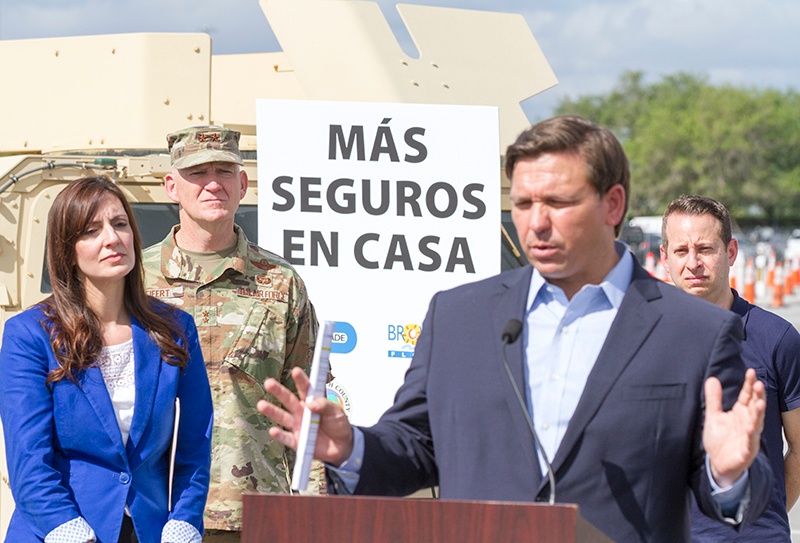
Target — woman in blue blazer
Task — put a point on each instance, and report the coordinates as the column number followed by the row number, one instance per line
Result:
column 89, row 383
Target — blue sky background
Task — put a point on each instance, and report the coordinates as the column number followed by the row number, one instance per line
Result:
column 588, row 43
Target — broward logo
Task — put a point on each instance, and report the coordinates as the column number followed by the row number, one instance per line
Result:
column 404, row 339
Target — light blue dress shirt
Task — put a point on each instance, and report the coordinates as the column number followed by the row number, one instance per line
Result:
column 562, row 340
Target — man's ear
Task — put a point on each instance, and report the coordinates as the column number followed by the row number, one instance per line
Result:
column 170, row 186
column 733, row 250
column 615, row 204
column 664, row 260
column 243, row 181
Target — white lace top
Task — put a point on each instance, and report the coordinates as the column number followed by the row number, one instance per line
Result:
column 116, row 365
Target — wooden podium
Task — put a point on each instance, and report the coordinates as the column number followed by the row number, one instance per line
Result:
column 281, row 518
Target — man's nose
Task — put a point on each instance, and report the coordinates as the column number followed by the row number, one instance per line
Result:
column 540, row 218
column 213, row 182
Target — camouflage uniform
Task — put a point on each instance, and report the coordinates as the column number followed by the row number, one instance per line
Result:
column 254, row 321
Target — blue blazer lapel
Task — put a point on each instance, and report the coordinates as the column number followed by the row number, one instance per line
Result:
column 147, row 367
column 633, row 324
column 511, row 304
column 94, row 388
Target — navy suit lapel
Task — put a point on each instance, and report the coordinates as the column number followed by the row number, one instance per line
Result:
column 147, row 366
column 511, row 304
column 94, row 388
column 634, row 323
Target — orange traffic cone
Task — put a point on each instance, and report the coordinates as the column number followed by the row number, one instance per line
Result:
column 788, row 285
column 794, row 271
column 777, row 290
column 650, row 263
column 749, row 282
column 771, row 270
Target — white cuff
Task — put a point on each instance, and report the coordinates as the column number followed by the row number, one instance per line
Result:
column 76, row 530
column 732, row 500
column 180, row 531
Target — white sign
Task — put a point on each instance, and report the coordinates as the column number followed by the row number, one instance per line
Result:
column 378, row 206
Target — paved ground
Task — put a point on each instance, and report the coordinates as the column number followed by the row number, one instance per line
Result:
column 791, row 312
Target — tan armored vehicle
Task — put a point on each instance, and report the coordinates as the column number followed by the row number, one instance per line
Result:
column 103, row 104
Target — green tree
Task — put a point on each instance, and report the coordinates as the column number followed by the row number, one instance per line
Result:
column 684, row 135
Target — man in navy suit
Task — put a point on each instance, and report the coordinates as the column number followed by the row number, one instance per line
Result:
column 637, row 391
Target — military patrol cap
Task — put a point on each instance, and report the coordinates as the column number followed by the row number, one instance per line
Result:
column 202, row 144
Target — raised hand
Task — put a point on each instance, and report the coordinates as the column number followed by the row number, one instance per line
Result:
column 731, row 438
column 335, row 435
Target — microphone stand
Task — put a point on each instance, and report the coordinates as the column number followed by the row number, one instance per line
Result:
column 510, row 334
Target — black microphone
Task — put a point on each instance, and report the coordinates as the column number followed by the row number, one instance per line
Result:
column 511, row 332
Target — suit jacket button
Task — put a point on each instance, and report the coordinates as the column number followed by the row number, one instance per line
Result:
column 124, row 478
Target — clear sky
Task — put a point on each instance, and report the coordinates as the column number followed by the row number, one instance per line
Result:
column 589, row 43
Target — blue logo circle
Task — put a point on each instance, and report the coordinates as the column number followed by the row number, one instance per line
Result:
column 344, row 338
